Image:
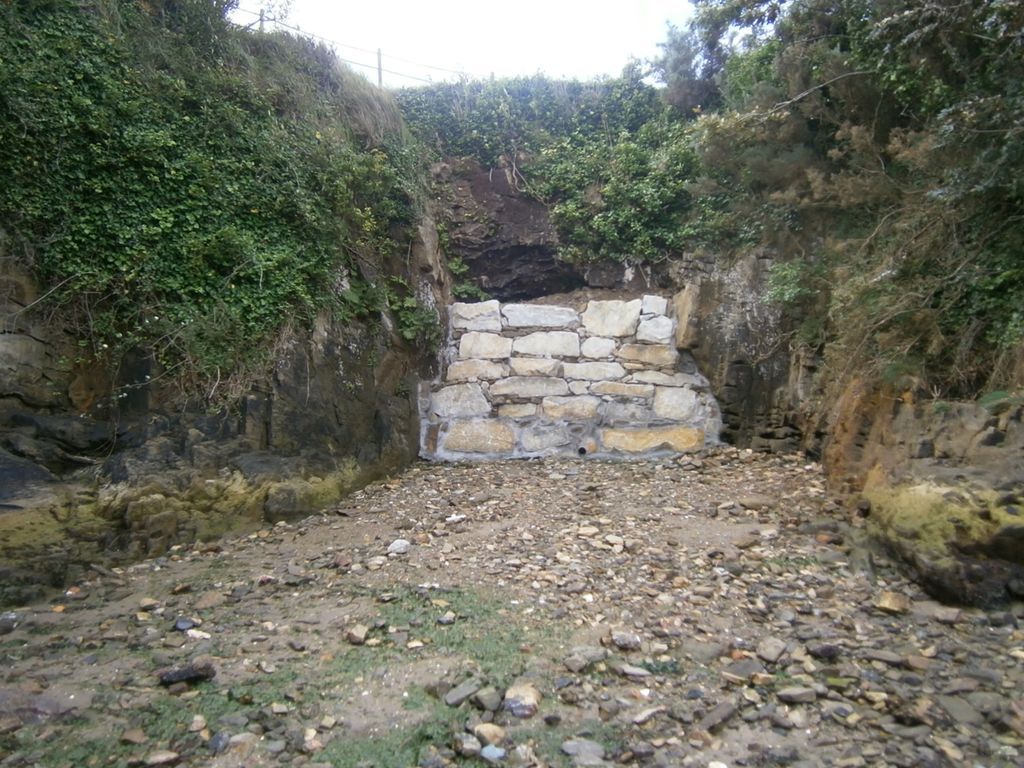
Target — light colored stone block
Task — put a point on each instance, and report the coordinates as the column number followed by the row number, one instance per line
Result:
column 483, row 436
column 579, row 387
column 675, row 403
column 593, row 371
column 466, row 370
column 539, row 316
column 657, row 330
column 479, row 316
column 619, row 389
column 626, row 413
column 536, row 366
column 650, row 354
column 529, row 386
column 517, row 410
column 612, row 318
column 675, row 438
column 484, row 345
column 541, row 438
column 548, row 344
column 460, row 400
column 653, row 305
column 668, row 380
column 598, row 347
column 576, row 408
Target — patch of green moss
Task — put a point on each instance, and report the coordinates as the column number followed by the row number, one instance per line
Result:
column 929, row 519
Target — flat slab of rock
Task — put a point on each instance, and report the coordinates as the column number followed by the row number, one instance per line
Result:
column 534, row 366
column 530, row 386
column 641, row 440
column 539, row 316
column 593, row 371
column 797, row 694
column 466, row 370
column 460, row 400
column 598, row 347
column 653, row 305
column 656, row 330
column 660, row 355
column 478, row 316
column 548, row 344
column 618, row 389
column 486, row 346
column 718, row 716
column 676, row 403
column 545, row 436
column 479, row 436
column 572, row 408
column 612, row 318
column 462, row 692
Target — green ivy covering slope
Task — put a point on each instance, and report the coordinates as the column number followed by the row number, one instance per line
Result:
column 187, row 187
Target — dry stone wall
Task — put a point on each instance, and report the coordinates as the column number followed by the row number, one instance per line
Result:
column 525, row 380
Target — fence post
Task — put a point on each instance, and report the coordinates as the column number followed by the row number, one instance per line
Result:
column 380, row 70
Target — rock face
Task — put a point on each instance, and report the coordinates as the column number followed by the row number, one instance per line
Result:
column 505, row 237
column 337, row 410
column 589, row 386
column 736, row 335
column 942, row 486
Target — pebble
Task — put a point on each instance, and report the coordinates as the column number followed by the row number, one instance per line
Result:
column 399, row 547
column 522, row 699
column 718, row 716
column 162, row 757
column 489, row 733
column 626, row 641
column 893, row 602
column 462, row 692
column 492, row 754
column 771, row 649
column 467, row 745
column 357, row 634
column 797, row 694
column 583, row 748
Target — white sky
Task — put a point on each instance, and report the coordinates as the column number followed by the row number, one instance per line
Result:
column 561, row 38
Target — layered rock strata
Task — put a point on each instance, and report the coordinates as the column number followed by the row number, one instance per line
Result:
column 526, row 380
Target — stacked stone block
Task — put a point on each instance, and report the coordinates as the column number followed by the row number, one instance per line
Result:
column 525, row 380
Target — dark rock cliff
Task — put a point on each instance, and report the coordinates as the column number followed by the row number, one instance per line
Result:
column 503, row 236
column 100, row 459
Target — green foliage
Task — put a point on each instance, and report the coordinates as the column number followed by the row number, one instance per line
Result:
column 787, row 282
column 464, row 289
column 624, row 200
column 189, row 187
column 496, row 120
column 416, row 322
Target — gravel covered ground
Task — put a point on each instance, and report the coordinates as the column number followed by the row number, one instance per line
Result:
column 700, row 611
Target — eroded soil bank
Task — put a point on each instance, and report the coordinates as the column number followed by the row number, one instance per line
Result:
column 693, row 611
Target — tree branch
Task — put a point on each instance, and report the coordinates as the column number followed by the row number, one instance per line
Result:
column 783, row 104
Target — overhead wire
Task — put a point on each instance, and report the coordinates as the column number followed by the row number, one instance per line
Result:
column 336, row 44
